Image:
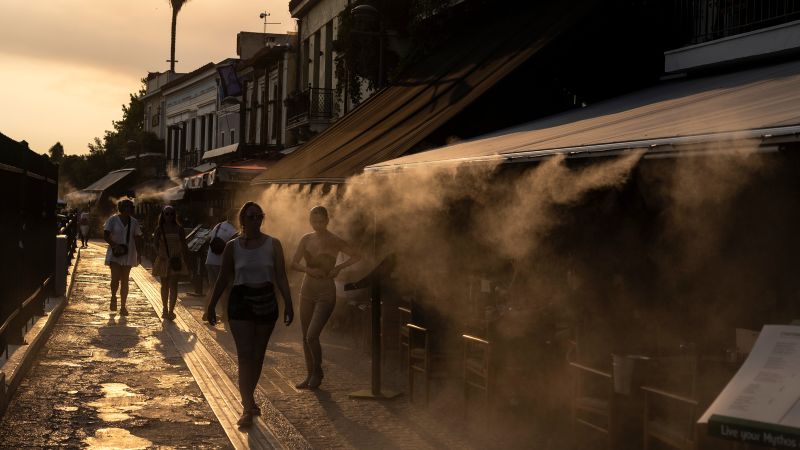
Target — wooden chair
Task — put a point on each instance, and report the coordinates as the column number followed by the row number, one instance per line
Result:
column 405, row 319
column 674, row 424
column 670, row 409
column 423, row 360
column 593, row 400
column 477, row 369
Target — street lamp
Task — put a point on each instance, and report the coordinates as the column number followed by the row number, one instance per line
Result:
column 365, row 17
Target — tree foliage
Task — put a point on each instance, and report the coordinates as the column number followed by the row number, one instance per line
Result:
column 56, row 153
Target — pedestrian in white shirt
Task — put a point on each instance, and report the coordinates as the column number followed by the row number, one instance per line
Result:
column 220, row 235
column 124, row 237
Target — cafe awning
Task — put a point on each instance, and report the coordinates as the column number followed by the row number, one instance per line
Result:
column 109, row 180
column 394, row 120
column 759, row 104
column 220, row 151
column 241, row 171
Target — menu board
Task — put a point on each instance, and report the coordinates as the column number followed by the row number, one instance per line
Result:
column 761, row 404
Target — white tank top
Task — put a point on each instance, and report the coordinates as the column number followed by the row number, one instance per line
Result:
column 253, row 266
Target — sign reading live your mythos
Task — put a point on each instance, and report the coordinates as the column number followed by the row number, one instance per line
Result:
column 761, row 404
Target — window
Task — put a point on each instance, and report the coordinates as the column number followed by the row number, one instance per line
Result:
column 222, row 137
column 233, row 136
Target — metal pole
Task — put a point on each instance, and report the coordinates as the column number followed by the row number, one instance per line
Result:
column 376, row 338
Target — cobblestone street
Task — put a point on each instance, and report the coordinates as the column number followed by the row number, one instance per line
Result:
column 107, row 381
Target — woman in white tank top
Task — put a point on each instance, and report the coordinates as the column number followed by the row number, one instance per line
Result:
column 255, row 263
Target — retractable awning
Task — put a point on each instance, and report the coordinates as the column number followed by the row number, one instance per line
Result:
column 394, row 120
column 755, row 104
column 95, row 190
column 220, row 151
column 110, row 179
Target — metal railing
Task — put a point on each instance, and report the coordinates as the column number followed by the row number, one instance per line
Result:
column 17, row 323
column 706, row 20
column 309, row 105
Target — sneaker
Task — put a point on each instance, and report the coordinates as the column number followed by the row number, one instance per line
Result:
column 123, row 311
column 113, row 304
column 171, row 315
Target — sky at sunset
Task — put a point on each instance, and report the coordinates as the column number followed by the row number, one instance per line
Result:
column 68, row 66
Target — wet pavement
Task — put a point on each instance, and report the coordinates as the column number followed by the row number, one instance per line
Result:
column 107, row 381
column 328, row 417
column 104, row 381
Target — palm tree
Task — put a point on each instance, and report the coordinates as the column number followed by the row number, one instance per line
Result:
column 176, row 8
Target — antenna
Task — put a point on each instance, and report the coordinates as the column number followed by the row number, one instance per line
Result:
column 264, row 16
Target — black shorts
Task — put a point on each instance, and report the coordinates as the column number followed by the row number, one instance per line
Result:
column 257, row 304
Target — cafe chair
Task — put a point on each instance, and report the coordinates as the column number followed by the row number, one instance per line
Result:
column 669, row 419
column 477, row 369
column 593, row 401
column 670, row 407
column 404, row 318
column 423, row 362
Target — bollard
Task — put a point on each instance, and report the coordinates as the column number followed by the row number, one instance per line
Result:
column 60, row 279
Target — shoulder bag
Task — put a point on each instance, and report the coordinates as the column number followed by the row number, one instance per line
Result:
column 175, row 263
column 122, row 249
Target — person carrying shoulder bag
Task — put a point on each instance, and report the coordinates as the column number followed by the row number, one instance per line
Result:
column 124, row 237
column 171, row 258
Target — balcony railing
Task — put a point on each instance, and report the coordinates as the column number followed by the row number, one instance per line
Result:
column 314, row 104
column 707, row 20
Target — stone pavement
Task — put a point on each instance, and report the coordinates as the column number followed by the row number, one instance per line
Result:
column 328, row 418
column 106, row 381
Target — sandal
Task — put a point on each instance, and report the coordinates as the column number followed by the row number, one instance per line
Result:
column 246, row 419
column 303, row 384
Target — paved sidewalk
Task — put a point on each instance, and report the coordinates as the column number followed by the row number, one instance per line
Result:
column 328, row 418
column 107, row 381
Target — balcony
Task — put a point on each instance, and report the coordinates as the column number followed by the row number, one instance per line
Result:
column 314, row 105
column 715, row 32
column 707, row 20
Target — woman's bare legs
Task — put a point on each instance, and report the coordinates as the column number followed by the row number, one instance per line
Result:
column 116, row 274
column 313, row 317
column 169, row 296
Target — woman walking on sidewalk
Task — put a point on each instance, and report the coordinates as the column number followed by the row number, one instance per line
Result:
column 170, row 264
column 83, row 221
column 124, row 237
column 320, row 250
column 255, row 262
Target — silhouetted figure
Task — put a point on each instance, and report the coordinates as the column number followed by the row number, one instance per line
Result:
column 320, row 251
column 84, row 221
column 124, row 237
column 171, row 256
column 255, row 262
